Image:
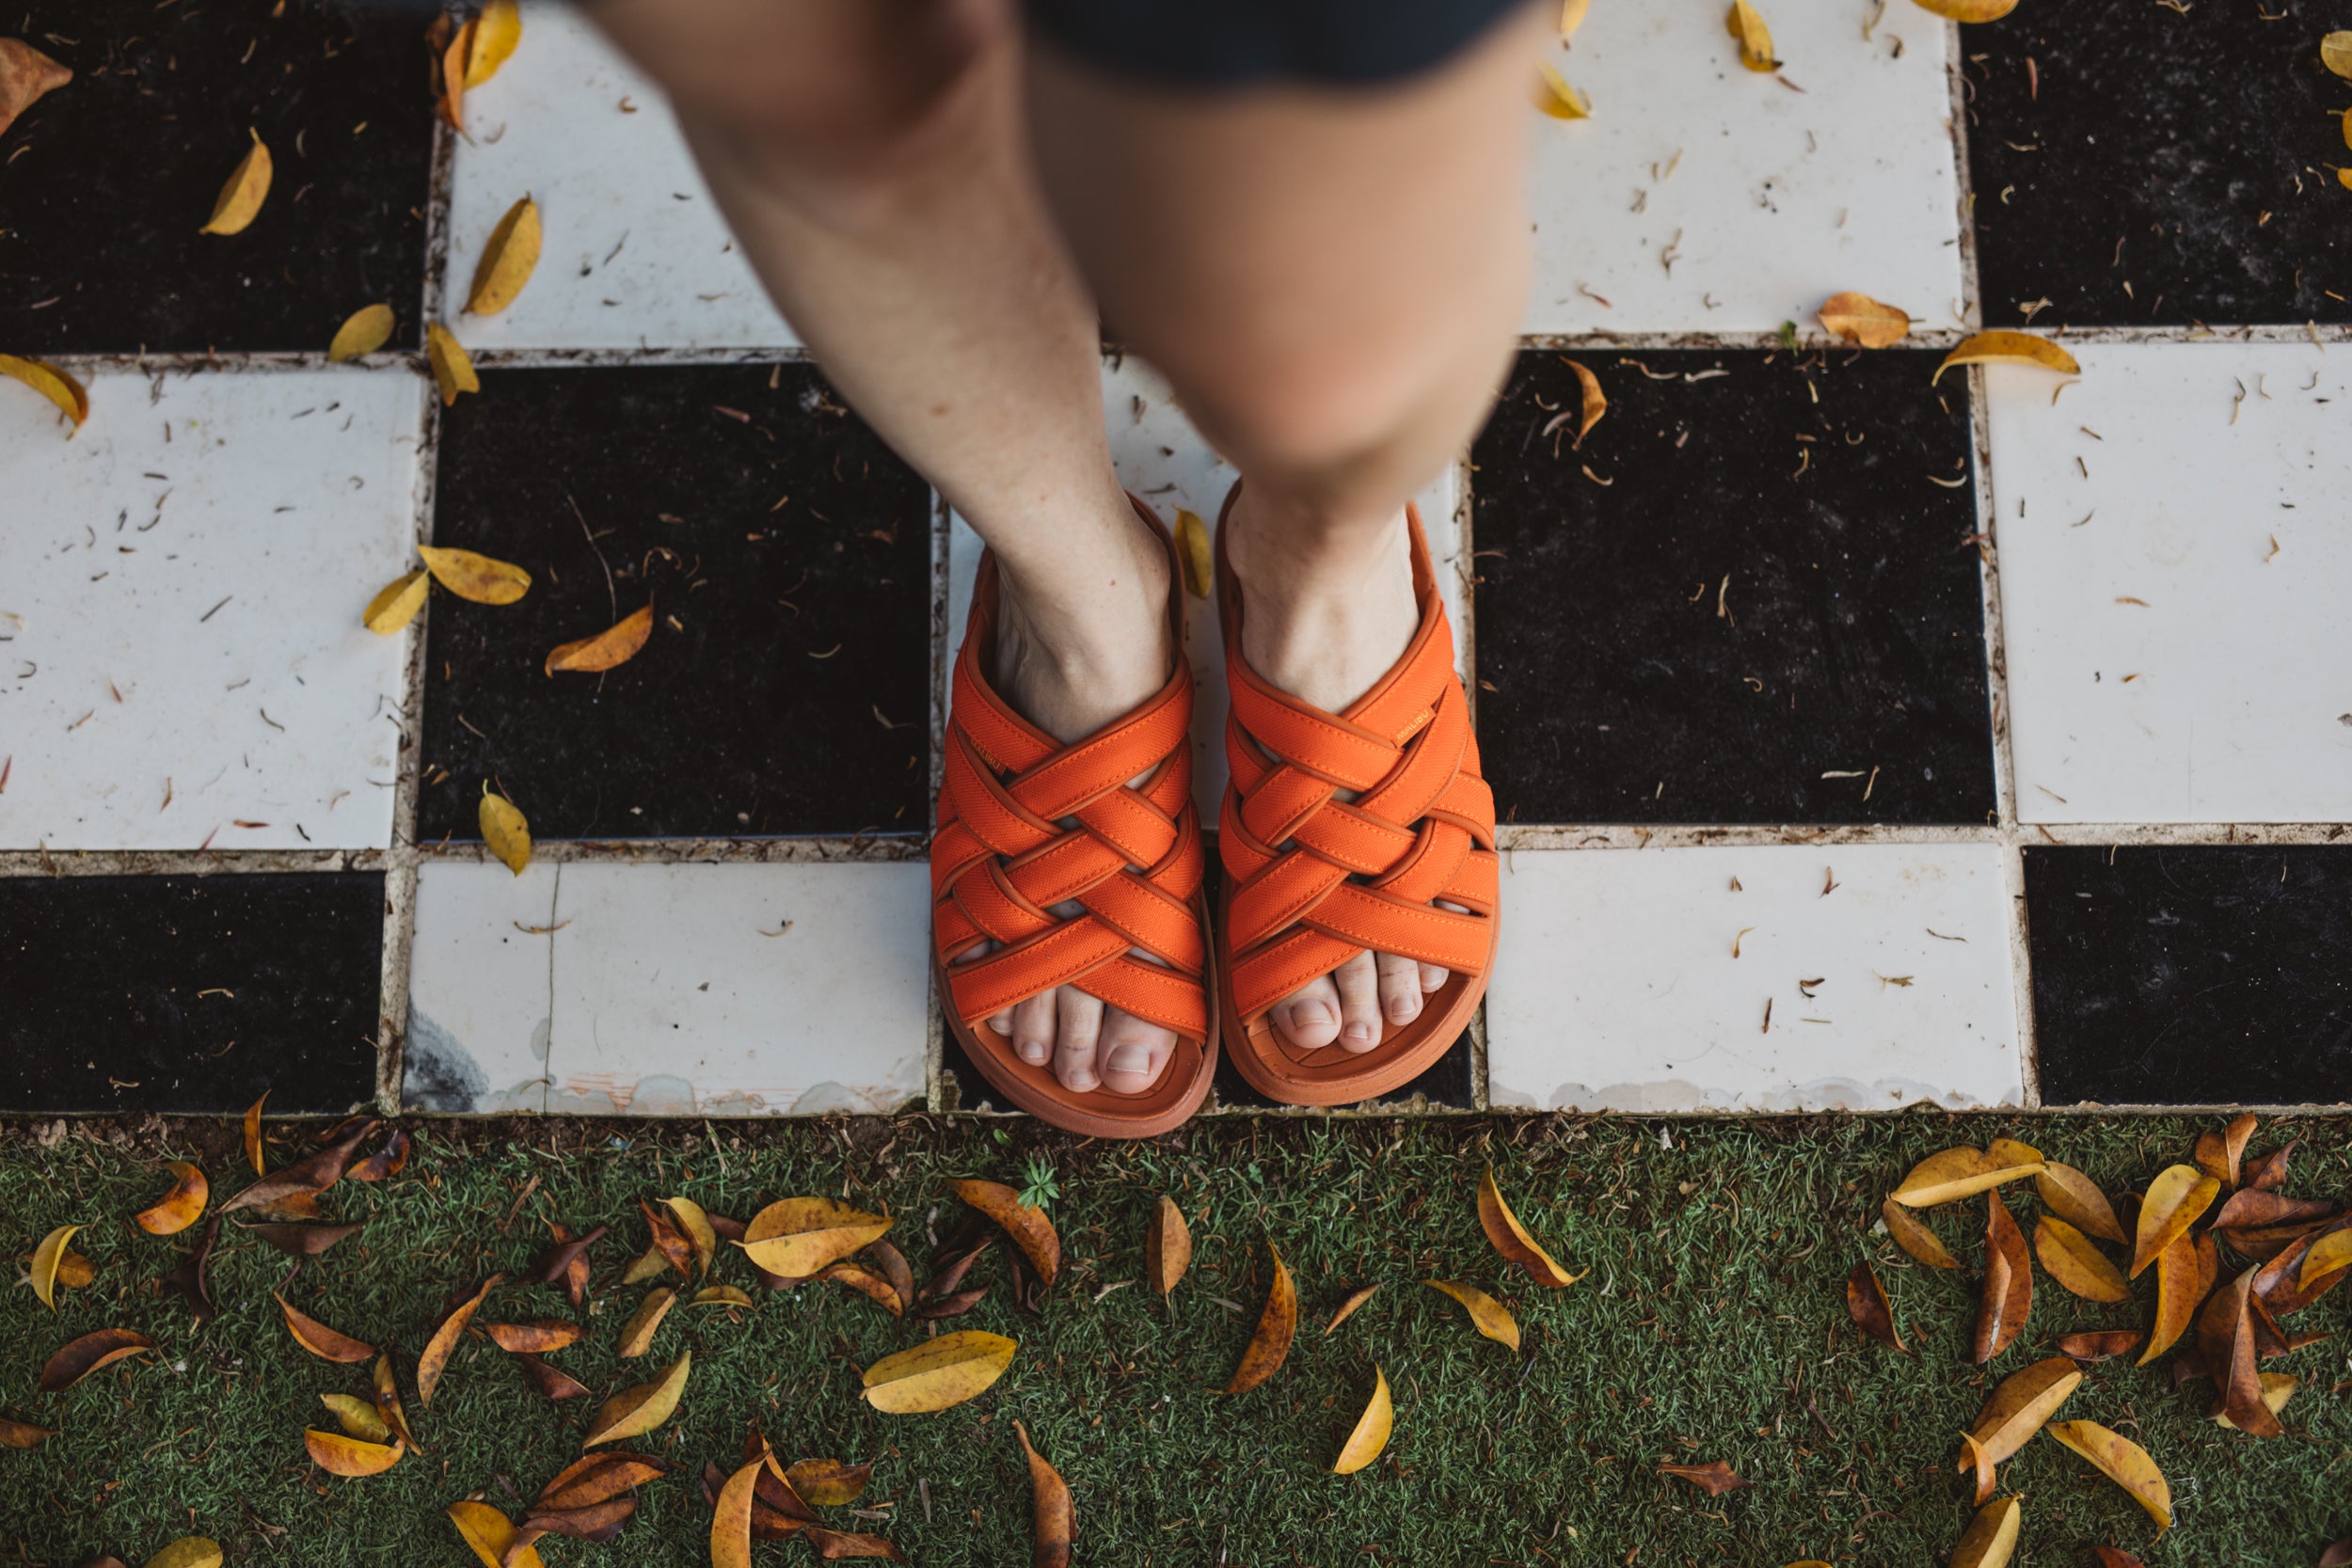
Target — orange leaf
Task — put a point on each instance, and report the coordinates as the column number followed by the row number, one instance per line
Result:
column 597, row 1478
column 2007, row 348
column 1866, row 1303
column 1356, row 1298
column 51, row 383
column 253, row 1133
column 319, row 1340
column 25, row 75
column 2178, row 1292
column 2099, row 1344
column 1167, row 1247
column 1974, row 1457
column 247, row 187
column 1029, row 1227
column 533, row 1337
column 178, row 1209
column 866, row 1283
column 1859, row 319
column 438, row 1349
column 1056, row 1514
column 835, row 1544
column 731, row 1523
column 2008, row 1297
column 1271, row 1342
column 615, row 645
column 1370, row 1431
column 22, row 1435
column 1592, row 401
column 552, row 1383
column 827, row 1482
column 2225, row 1340
column 77, row 1359
column 1511, row 1238
column 1714, row 1477
column 340, row 1455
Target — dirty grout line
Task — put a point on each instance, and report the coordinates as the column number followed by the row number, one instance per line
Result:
column 1466, row 575
column 1546, row 837
column 865, row 849
column 935, row 1096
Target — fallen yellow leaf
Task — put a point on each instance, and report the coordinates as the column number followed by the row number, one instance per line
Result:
column 453, row 367
column 634, row 1412
column 358, row 1417
column 506, row 262
column 2276, row 1390
column 1746, row 23
column 1859, row 319
column 1487, row 1315
column 2175, row 1199
column 795, row 1236
column 1957, row 1173
column 46, row 1257
column 1572, row 15
column 2122, row 1462
column 480, row 577
column 2076, row 1263
column 1511, row 1238
column 1595, row 402
column 2020, row 1404
column 722, row 1295
column 1991, row 1535
column 51, row 383
column 695, row 1224
column 1371, row 1434
column 240, row 198
column 369, row 328
column 731, row 1521
column 613, row 646
column 939, row 1373
column 1270, row 1341
column 2180, row 1287
column 496, row 31
column 189, row 1551
column 340, row 1455
column 2335, row 52
column 1167, row 1246
column 1192, row 554
column 637, row 1334
column 2007, row 348
column 491, row 1534
column 1912, row 1234
column 506, row 829
column 2076, row 1199
column 396, row 604
column 1556, row 98
column 178, row 1207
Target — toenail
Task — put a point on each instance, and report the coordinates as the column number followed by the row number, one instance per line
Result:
column 1306, row 1015
column 1129, row 1058
column 1403, row 1006
column 1082, row 1080
column 1033, row 1051
column 1360, row 1032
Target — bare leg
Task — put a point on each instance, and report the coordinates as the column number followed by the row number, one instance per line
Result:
column 1333, row 281
column 871, row 156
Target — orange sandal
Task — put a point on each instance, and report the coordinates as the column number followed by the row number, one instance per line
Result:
column 1027, row 823
column 1311, row 880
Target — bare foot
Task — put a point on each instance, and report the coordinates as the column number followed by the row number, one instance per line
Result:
column 1069, row 670
column 1327, row 640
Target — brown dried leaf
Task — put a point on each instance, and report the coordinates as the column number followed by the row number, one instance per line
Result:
column 2007, row 348
column 507, row 261
column 385, row 1162
column 241, row 197
column 533, row 1339
column 22, row 1435
column 57, row 386
column 1356, row 1298
column 2099, row 1344
column 369, row 328
column 320, row 1340
column 1270, row 1343
column 689, row 1219
column 833, row 1544
column 634, row 1412
column 866, row 1283
column 340, row 1455
column 1027, row 1228
column 2076, row 1263
column 187, row 1279
column 387, row 1398
column 2008, row 1297
column 939, row 1373
column 553, row 1383
column 1755, row 40
column 565, row 1263
column 637, row 1335
column 1487, row 1315
column 1714, row 1477
column 952, row 1305
column 597, row 1478
column 2175, row 1199
column 2277, row 1388
column 2076, row 1199
column 253, row 1133
column 2020, row 1403
column 1371, row 1433
column 1167, row 1247
column 77, row 1359
column 2122, row 1462
column 1991, row 1538
column 2266, row 1172
column 1866, row 1303
column 2225, row 1342
column 893, row 1265
column 25, row 75
column 1056, row 1516
column 281, row 1195
column 608, row 649
column 1511, row 1238
column 799, row 1236
column 1864, row 320
column 597, row 1522
column 301, row 1240
column 1953, row 1174
column 2252, row 1209
column 438, row 1349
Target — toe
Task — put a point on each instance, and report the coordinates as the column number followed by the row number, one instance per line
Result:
column 1432, row 977
column 1075, row 1050
column 1033, row 1029
column 1400, row 987
column 1001, row 1023
column 1359, row 1002
column 1134, row 1052
column 1309, row 1017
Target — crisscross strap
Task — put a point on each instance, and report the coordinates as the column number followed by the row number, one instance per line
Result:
column 1317, row 879
column 1027, row 823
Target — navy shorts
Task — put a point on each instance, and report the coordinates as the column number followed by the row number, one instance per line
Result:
column 1234, row 43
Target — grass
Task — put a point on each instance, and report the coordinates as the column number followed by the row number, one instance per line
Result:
column 1711, row 1326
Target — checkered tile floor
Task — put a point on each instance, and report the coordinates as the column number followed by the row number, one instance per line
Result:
column 1861, row 740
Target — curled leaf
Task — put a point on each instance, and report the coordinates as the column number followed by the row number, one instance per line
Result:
column 2122, row 1462
column 358, row 1417
column 637, row 1336
column 1193, row 554
column 1592, row 401
column 828, row 1483
column 491, row 1534
column 553, row 1383
column 387, row 1396
column 1861, row 320
column 1714, row 1477
column 1167, row 1247
column 566, row 1262
column 506, row 262
column 2076, row 1199
column 2226, row 1344
column 1556, row 98
column 368, row 329
column 613, row 646
column 939, row 1373
column 692, row 1222
column 1054, row 1515
column 798, row 1236
column 2266, row 1172
column 893, row 1265
column 1974, row 1457
column 1356, row 1298
column 1027, row 1225
column 437, row 1349
column 533, row 1339
column 1912, row 1234
column 1487, row 1315
column 2330, row 1254
column 77, row 1359
column 178, row 1207
column 1746, row 24
column 320, row 1340
column 2175, row 1199
column 1866, row 1303
column 634, row 1412
column 2251, row 1208
column 25, row 75
column 2099, row 1344
column 2020, row 1403
column 2277, row 1388
column 1511, row 1238
column 253, row 1134
column 721, row 1295
column 46, row 1258
column 866, row 1283
column 2076, row 1263
column 57, row 386
column 2007, row 1295
column 597, row 1478
column 1957, row 1173
column 453, row 367
column 240, row 198
column 1371, row 1433
column 505, row 830
column 1270, row 1343
column 1991, row 1538
column 340, row 1455
column 2007, row 348
column 187, row 1279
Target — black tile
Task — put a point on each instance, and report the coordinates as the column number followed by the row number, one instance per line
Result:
column 787, row 687
column 189, row 994
column 2214, row 975
column 2187, row 151
column 1621, row 679
column 104, row 182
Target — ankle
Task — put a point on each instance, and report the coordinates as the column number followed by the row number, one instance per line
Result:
column 1329, row 609
column 1080, row 643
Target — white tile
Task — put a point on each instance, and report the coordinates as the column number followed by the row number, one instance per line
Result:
column 674, row 997
column 636, row 252
column 1776, row 199
column 2185, row 655
column 1615, row 988
column 480, row 1003
column 180, row 586
column 1163, row 459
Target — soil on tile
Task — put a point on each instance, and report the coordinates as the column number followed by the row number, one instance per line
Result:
column 105, row 182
